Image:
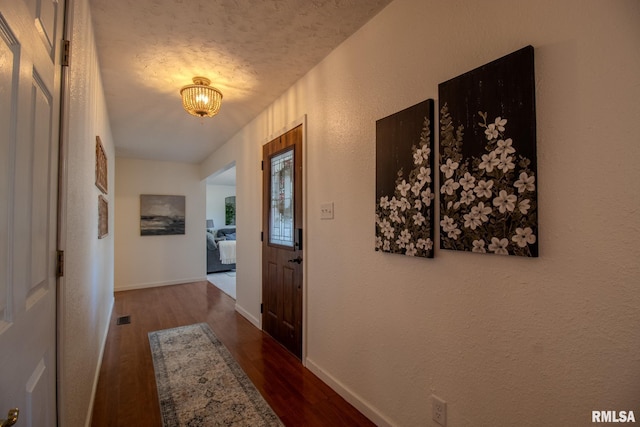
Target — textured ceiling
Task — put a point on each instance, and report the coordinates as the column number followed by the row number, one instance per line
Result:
column 252, row 50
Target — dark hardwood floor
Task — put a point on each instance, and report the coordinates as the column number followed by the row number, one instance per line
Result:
column 126, row 393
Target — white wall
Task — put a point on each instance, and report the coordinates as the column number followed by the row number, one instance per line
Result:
column 504, row 340
column 86, row 294
column 144, row 261
column 215, row 203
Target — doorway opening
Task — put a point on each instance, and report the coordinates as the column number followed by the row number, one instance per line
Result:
column 221, row 229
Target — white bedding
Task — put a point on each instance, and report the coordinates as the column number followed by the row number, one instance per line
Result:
column 227, row 251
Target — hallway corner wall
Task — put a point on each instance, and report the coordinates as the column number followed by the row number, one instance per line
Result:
column 86, row 295
column 148, row 261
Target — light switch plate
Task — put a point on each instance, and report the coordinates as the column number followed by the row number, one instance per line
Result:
column 326, row 210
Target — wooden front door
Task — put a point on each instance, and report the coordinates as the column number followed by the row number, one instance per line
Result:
column 30, row 79
column 282, row 255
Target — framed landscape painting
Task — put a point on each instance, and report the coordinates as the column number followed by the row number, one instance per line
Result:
column 488, row 162
column 161, row 215
column 404, row 182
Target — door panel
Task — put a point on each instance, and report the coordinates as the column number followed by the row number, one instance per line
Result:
column 45, row 22
column 38, row 167
column 271, row 298
column 282, row 246
column 29, row 122
column 289, row 294
column 9, row 65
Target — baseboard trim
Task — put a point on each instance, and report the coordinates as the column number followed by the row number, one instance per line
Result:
column 99, row 365
column 156, row 284
column 244, row 313
column 353, row 398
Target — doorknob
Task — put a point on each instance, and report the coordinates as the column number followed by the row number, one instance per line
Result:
column 296, row 260
column 12, row 418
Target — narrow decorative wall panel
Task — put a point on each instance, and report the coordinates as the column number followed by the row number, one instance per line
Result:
column 404, row 182
column 488, row 188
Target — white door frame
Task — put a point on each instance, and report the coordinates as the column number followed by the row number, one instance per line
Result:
column 61, row 243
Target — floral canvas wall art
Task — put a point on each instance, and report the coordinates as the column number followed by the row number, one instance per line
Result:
column 404, row 182
column 488, row 177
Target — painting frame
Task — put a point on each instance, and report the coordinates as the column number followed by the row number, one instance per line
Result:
column 102, row 173
column 162, row 215
column 230, row 210
column 103, row 217
column 404, row 182
column 488, row 158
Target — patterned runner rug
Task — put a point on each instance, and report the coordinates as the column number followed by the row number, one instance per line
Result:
column 200, row 384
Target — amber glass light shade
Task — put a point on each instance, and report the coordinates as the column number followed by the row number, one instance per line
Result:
column 200, row 99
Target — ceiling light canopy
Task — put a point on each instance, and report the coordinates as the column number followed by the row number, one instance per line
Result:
column 200, row 99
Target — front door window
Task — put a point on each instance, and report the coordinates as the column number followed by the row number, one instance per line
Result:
column 282, row 200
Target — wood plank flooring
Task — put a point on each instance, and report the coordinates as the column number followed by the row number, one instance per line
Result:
column 126, row 393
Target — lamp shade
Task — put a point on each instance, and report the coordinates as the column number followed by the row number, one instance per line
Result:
column 200, row 99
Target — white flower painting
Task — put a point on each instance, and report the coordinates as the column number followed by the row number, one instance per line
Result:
column 488, row 178
column 404, row 182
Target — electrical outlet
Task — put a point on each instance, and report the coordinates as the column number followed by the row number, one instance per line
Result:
column 439, row 410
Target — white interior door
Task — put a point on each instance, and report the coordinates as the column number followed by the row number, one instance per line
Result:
column 30, row 43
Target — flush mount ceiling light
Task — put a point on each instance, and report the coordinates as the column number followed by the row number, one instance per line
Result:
column 200, row 99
